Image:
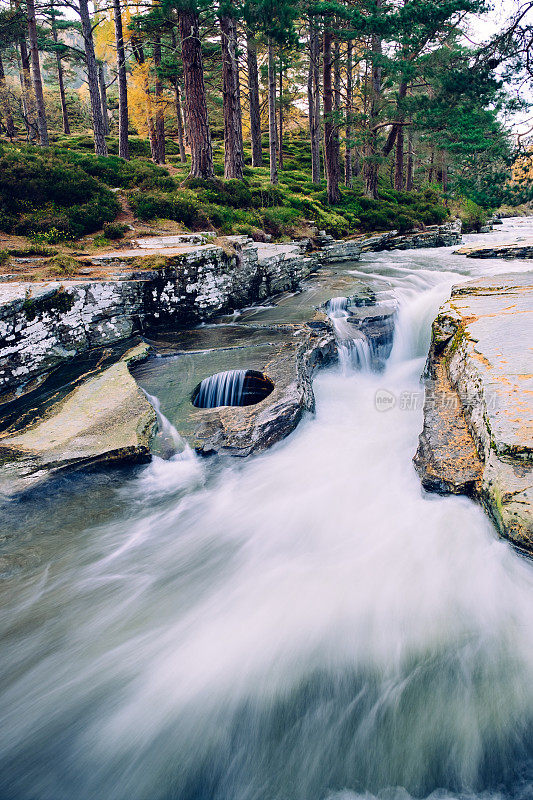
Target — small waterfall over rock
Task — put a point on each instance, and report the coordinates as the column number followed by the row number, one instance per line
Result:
column 337, row 306
column 352, row 345
column 168, row 441
column 221, row 389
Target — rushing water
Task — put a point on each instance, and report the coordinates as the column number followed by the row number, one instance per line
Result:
column 223, row 389
column 304, row 625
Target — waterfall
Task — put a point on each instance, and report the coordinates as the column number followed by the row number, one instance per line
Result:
column 336, row 306
column 355, row 354
column 222, row 389
column 352, row 345
column 169, row 442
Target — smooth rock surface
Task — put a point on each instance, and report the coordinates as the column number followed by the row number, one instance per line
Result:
column 105, row 419
column 44, row 324
column 482, row 354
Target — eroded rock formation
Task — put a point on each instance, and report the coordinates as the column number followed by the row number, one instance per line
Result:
column 478, row 416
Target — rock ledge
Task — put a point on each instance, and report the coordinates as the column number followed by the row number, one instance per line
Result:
column 478, row 415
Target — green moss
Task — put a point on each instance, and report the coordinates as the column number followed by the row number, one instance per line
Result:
column 455, row 343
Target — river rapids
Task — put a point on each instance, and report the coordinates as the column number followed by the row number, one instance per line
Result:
column 307, row 624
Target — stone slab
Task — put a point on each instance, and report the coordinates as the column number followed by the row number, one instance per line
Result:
column 105, row 419
column 482, row 350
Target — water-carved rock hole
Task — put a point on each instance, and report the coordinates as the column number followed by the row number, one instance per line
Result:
column 237, row 387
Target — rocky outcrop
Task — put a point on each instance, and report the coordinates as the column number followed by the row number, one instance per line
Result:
column 523, row 250
column 433, row 236
column 106, row 419
column 239, row 431
column 377, row 325
column 44, row 324
column 478, row 415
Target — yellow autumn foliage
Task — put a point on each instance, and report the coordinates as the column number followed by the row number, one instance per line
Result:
column 142, row 105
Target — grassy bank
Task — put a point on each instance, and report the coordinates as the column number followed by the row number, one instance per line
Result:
column 66, row 193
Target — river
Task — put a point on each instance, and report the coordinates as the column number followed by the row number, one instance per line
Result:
column 306, row 624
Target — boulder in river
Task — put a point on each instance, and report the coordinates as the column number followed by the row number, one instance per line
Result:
column 478, row 415
column 241, row 430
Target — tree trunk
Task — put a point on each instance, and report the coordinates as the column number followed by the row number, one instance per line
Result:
column 100, row 144
column 4, row 103
column 444, row 166
column 331, row 134
column 36, row 75
column 159, row 109
column 177, row 101
column 409, row 182
column 233, row 144
column 337, row 73
column 103, row 97
column 313, row 99
column 280, row 110
column 398, row 170
column 195, row 98
column 253, row 94
column 26, row 91
column 431, row 166
column 60, row 79
column 393, row 133
column 272, row 131
column 123, row 141
column 348, row 156
column 181, row 138
column 138, row 52
column 371, row 155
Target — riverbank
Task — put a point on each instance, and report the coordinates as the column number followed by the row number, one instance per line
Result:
column 166, row 285
column 478, row 414
column 307, row 623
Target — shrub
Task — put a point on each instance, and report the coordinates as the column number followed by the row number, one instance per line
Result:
column 182, row 206
column 278, row 221
column 47, row 196
column 114, row 230
column 49, row 234
column 472, row 216
column 62, row 265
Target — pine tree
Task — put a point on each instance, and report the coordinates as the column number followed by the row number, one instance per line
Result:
column 195, row 95
column 100, row 144
column 36, row 74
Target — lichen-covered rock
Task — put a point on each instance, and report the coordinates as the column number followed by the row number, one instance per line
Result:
column 44, row 324
column 239, row 431
column 434, row 236
column 478, row 426
column 105, row 419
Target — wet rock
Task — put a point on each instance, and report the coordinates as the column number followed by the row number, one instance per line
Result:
column 478, row 415
column 105, row 419
column 340, row 251
column 239, row 431
column 523, row 250
column 44, row 324
column 377, row 325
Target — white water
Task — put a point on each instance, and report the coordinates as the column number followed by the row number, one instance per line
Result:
column 305, row 625
column 222, row 389
column 352, row 345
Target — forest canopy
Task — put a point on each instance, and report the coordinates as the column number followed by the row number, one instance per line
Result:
column 259, row 115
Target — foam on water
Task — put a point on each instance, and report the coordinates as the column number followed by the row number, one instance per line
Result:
column 307, row 625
